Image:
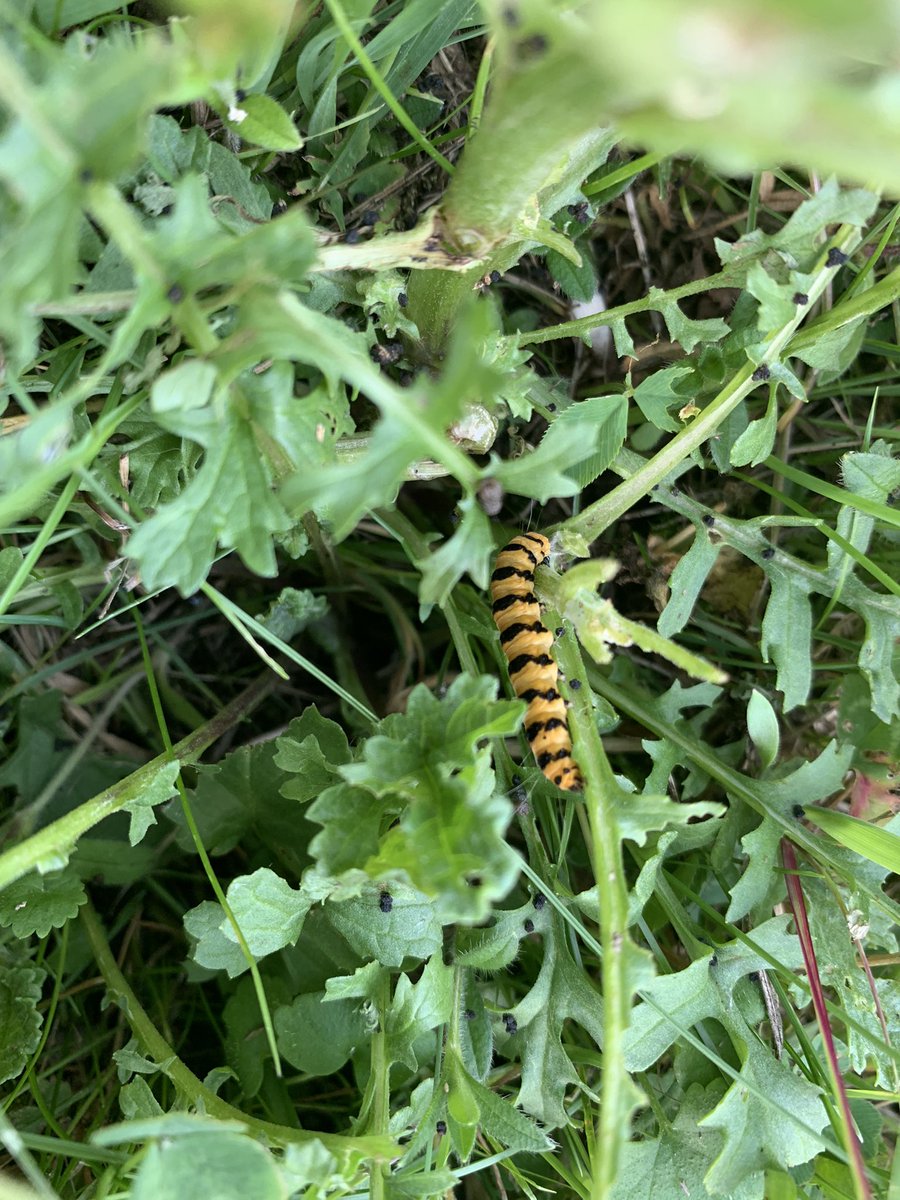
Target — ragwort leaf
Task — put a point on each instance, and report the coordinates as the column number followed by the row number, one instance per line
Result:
column 20, row 1021
column 38, row 903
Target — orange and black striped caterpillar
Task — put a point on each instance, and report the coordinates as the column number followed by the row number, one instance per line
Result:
column 526, row 643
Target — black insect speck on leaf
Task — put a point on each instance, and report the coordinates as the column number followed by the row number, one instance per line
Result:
column 240, row 95
column 403, row 299
column 539, row 900
column 441, row 1127
column 469, row 1014
column 533, row 46
column 798, row 812
column 708, row 520
column 175, row 294
column 551, row 408
column 559, row 631
column 836, row 258
column 475, row 881
column 385, row 902
column 801, row 298
column 495, row 276
column 517, row 781
column 761, row 373
column 509, row 1023
column 369, row 217
column 769, row 552
column 529, row 926
column 714, row 960
column 753, row 976
column 574, row 684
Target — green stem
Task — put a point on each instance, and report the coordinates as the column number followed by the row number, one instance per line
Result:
column 737, row 786
column 604, row 512
column 498, row 234
column 606, row 853
column 859, row 306
column 211, row 876
column 381, row 87
column 381, row 1075
column 730, row 277
column 50, row 845
column 107, row 207
column 19, row 95
column 45, row 533
column 182, row 1077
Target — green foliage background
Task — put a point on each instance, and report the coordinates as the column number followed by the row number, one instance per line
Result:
column 289, row 345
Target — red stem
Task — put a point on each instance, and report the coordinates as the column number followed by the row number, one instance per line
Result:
column 798, row 907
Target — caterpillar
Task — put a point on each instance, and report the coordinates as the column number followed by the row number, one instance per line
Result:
column 526, row 643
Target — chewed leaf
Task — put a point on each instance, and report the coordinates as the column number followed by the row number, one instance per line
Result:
column 786, row 634
column 599, row 627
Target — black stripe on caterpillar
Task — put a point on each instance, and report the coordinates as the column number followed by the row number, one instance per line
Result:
column 526, row 643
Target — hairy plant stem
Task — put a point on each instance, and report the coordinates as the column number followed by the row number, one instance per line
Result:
column 50, row 846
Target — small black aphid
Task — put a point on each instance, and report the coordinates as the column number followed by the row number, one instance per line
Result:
column 798, row 812
column 175, row 294
column 533, row 46
column 769, row 552
column 708, row 520
column 761, row 373
column 836, row 258
column 403, row 299
column 509, row 1023
column 441, row 1127
column 800, row 298
column 469, row 1014
column 369, row 217
column 713, row 960
column 574, row 684
column 539, row 900
column 495, row 276
column 551, row 408
column 385, row 902
column 529, row 926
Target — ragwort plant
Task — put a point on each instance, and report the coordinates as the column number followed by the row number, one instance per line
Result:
column 304, row 313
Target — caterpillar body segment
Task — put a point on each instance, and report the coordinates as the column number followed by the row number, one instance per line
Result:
column 526, row 643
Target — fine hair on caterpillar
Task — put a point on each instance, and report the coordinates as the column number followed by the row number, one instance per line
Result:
column 533, row 672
